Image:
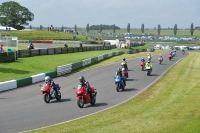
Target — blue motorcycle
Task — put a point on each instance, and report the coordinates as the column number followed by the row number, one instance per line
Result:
column 119, row 83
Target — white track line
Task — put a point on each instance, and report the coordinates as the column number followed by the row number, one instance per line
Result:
column 113, row 105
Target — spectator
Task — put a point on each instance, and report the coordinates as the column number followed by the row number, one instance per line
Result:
column 81, row 45
column 65, row 45
column 1, row 48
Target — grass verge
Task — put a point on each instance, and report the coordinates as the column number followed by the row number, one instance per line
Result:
column 171, row 105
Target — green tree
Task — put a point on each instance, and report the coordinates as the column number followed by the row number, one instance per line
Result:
column 142, row 28
column 14, row 15
column 128, row 28
column 41, row 27
column 87, row 28
column 159, row 29
column 75, row 28
column 192, row 29
column 175, row 29
column 114, row 28
column 101, row 28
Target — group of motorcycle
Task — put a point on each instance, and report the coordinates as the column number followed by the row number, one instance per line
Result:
column 82, row 94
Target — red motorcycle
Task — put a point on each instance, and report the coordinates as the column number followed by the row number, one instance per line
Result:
column 142, row 64
column 83, row 96
column 170, row 56
column 160, row 60
column 183, row 52
column 125, row 73
column 50, row 94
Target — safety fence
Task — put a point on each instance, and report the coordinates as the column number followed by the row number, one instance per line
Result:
column 59, row 50
column 60, row 70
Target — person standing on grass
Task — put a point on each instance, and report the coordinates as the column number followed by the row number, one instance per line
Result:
column 1, row 48
column 65, row 45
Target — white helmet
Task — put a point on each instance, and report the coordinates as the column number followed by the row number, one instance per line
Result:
column 47, row 78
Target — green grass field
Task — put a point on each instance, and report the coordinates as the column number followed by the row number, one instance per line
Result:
column 170, row 106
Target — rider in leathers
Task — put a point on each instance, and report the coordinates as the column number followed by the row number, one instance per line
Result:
column 86, row 85
column 119, row 72
column 50, row 81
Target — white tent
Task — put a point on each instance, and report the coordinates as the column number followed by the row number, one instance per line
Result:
column 3, row 28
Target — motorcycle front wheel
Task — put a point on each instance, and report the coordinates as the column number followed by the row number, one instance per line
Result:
column 58, row 95
column 93, row 101
column 80, row 103
column 117, row 87
column 47, row 98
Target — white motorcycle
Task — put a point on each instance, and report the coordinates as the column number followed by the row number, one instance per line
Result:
column 148, row 69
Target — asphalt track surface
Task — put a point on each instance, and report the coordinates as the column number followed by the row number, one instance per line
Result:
column 40, row 45
column 23, row 109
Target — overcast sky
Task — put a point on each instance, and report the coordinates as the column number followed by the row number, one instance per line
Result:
column 118, row 12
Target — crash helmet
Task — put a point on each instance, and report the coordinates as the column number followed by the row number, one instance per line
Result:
column 119, row 69
column 124, row 59
column 81, row 79
column 47, row 78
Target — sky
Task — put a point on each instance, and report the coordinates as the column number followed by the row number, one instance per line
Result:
column 67, row 13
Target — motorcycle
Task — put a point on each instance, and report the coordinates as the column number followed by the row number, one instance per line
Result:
column 125, row 73
column 119, row 83
column 149, row 58
column 183, row 52
column 49, row 93
column 83, row 96
column 124, row 64
column 148, row 69
column 142, row 64
column 170, row 56
column 30, row 47
column 160, row 60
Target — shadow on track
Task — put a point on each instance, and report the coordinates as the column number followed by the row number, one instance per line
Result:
column 97, row 105
column 129, row 89
column 130, row 79
column 154, row 75
column 62, row 100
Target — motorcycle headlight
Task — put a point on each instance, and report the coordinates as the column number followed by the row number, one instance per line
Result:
column 79, row 92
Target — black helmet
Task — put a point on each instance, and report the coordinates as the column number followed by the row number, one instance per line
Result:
column 119, row 69
column 81, row 79
column 124, row 59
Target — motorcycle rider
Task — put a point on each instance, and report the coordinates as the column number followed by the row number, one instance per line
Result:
column 50, row 81
column 125, row 65
column 160, row 57
column 143, row 60
column 86, row 85
column 149, row 56
column 119, row 73
column 31, row 46
column 149, row 64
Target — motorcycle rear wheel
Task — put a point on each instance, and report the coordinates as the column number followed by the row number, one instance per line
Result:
column 47, row 98
column 80, row 103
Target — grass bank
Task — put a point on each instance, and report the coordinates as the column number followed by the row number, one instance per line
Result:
column 170, row 106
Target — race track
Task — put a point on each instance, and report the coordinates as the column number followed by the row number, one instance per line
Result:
column 24, row 109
